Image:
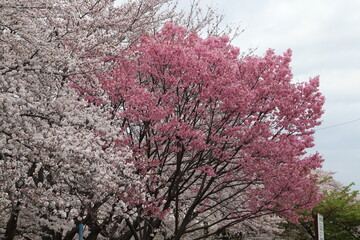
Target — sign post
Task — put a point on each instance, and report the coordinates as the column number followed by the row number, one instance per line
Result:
column 319, row 227
column 80, row 231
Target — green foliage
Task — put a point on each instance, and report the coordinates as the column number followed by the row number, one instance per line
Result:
column 341, row 211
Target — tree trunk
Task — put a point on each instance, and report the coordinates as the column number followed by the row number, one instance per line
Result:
column 94, row 232
column 11, row 225
column 71, row 234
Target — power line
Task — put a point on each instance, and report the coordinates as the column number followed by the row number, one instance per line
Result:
column 339, row 124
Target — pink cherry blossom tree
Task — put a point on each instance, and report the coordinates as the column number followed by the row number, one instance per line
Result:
column 220, row 139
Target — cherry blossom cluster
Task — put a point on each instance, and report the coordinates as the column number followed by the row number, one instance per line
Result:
column 221, row 138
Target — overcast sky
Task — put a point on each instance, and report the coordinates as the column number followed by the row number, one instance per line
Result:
column 325, row 38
